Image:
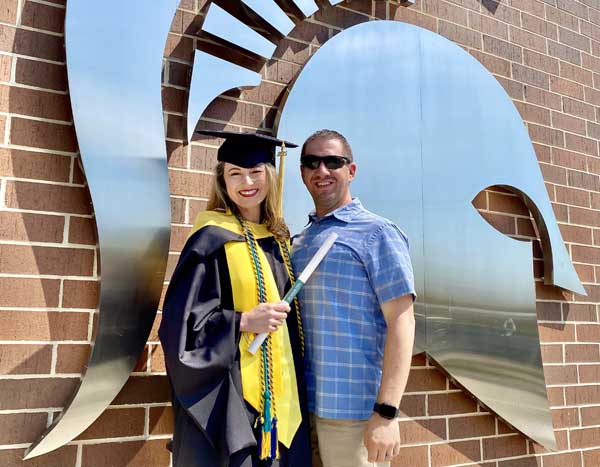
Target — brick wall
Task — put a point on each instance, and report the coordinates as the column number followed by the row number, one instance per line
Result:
column 546, row 54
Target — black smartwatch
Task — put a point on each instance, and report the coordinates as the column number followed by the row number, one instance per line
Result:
column 386, row 411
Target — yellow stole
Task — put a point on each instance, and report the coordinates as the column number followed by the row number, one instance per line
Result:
column 244, row 292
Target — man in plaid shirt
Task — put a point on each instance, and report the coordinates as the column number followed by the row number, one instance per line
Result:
column 358, row 313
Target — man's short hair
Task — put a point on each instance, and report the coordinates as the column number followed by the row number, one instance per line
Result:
column 329, row 134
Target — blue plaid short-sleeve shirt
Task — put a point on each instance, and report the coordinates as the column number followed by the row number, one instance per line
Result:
column 344, row 326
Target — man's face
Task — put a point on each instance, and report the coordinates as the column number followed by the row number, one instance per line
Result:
column 329, row 188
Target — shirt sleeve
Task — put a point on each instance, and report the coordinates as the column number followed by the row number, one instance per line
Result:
column 388, row 264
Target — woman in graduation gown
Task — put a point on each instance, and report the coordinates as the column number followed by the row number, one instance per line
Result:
column 233, row 408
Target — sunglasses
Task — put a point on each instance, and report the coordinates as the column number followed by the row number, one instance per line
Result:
column 331, row 162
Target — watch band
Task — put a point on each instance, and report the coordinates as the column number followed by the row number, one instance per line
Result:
column 385, row 410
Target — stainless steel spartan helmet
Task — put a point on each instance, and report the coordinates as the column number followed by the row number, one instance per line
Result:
column 430, row 128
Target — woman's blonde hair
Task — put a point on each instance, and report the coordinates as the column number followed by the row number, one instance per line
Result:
column 219, row 200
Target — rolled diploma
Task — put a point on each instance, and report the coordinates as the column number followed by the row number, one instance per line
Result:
column 289, row 297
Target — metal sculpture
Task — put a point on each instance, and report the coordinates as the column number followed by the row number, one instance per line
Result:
column 430, row 129
column 114, row 68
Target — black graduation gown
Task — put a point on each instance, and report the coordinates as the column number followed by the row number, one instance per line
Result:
column 200, row 334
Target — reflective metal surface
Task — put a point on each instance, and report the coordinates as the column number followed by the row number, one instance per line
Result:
column 430, row 129
column 114, row 68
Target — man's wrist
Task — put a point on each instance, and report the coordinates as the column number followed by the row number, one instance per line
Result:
column 387, row 411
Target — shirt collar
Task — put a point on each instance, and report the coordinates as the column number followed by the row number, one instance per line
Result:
column 345, row 213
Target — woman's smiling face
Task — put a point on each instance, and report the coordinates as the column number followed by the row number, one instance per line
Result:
column 247, row 188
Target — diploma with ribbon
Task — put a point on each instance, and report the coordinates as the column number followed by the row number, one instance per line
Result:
column 300, row 281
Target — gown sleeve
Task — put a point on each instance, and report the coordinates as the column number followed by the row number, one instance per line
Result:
column 200, row 338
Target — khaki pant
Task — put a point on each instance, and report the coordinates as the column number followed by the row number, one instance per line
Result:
column 340, row 443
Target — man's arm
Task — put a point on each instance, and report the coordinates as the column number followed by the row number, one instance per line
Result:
column 382, row 436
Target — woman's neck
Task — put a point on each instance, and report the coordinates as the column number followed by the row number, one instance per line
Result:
column 251, row 214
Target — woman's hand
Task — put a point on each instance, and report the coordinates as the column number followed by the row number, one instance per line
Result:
column 265, row 317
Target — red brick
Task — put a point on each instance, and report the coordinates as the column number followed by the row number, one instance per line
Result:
column 19, row 292
column 495, row 65
column 44, row 135
column 26, row 359
column 453, row 403
column 428, row 379
column 566, row 459
column 116, row 423
column 45, row 197
column 413, row 405
column 541, row 97
column 565, row 418
column 63, row 457
column 34, row 165
column 72, row 358
column 581, row 144
column 5, row 68
column 574, row 40
column 40, row 104
column 584, row 438
column 582, row 395
column 8, row 11
column 412, row 456
column 471, row 426
column 556, row 396
column 556, row 332
column 533, row 113
column 178, row 210
column 527, row 39
column 560, row 374
column 565, row 87
column 576, row 234
column 82, row 230
column 589, row 374
column 41, row 74
column 80, row 294
column 189, row 183
column 578, row 108
column 21, row 427
column 545, row 135
column 488, row 25
column 157, row 359
column 506, row 446
column 580, row 312
column 423, row 431
column 43, row 326
column 522, row 462
column 548, row 311
column 411, row 16
column 577, row 353
column 458, row 452
column 203, row 158
column 541, row 62
column 583, row 216
column 513, row 88
column 575, row 197
column 22, row 259
column 144, row 389
column 45, row 17
column 36, row 393
column 502, row 49
column 151, row 453
column 539, row 26
column 32, row 43
column 588, row 332
column 564, row 52
column 552, row 353
column 161, row 420
column 568, row 123
column 31, row 227
column 591, row 458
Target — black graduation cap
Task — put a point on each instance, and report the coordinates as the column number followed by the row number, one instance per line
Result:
column 246, row 149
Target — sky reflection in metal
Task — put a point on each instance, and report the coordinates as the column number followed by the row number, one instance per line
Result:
column 431, row 128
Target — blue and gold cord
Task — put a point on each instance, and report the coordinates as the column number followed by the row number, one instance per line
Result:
column 267, row 444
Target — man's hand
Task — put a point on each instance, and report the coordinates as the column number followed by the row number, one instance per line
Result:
column 382, row 438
